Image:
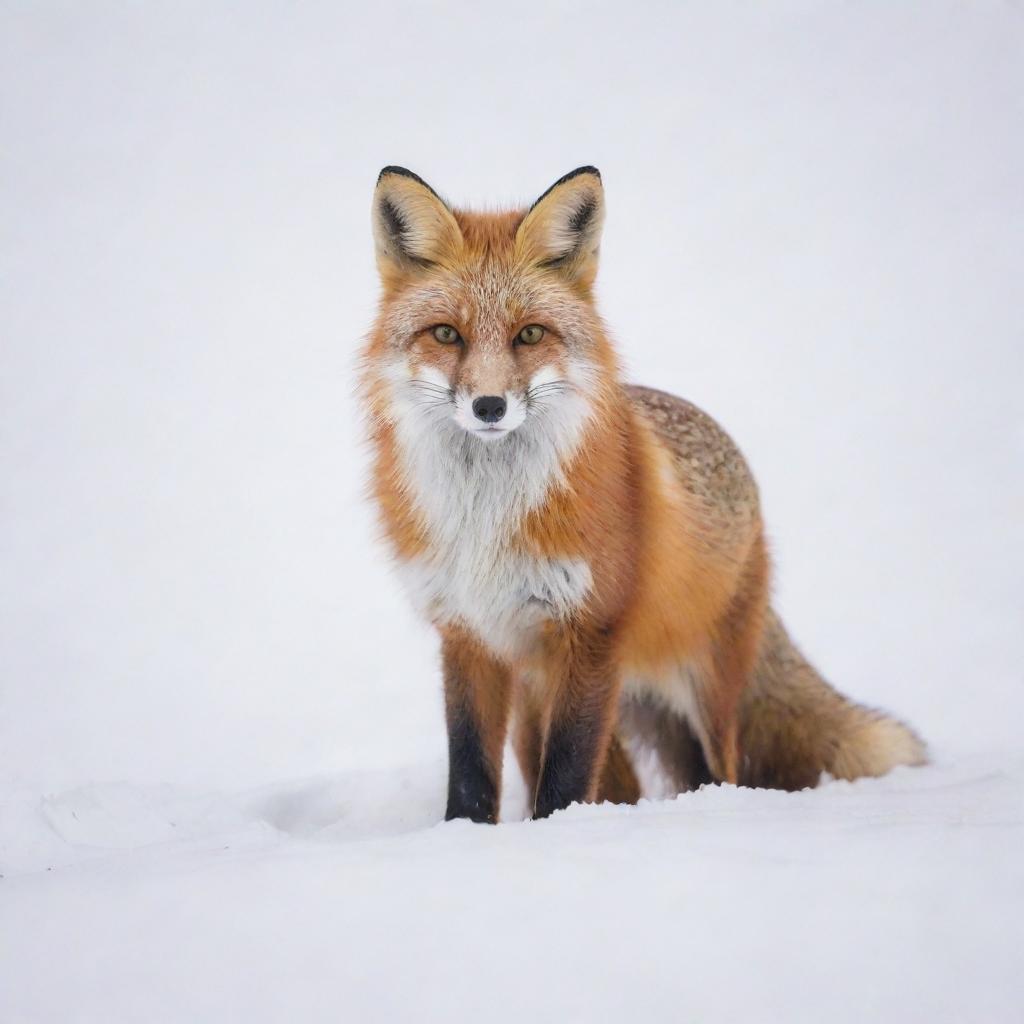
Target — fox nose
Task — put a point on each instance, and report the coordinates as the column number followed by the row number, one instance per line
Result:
column 489, row 408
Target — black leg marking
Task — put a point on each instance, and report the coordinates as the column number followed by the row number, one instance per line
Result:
column 670, row 736
column 569, row 766
column 472, row 792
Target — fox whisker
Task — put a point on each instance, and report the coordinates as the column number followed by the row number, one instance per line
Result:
column 547, row 390
column 432, row 394
column 426, row 385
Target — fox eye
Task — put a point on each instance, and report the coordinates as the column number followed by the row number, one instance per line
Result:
column 530, row 335
column 446, row 334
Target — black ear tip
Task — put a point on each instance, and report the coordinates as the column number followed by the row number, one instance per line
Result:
column 392, row 169
column 404, row 172
column 588, row 169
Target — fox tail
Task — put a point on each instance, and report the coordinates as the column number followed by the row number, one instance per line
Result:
column 795, row 726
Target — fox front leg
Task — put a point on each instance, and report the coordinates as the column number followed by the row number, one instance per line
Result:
column 476, row 696
column 581, row 725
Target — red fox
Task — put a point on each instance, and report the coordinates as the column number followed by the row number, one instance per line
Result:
column 591, row 553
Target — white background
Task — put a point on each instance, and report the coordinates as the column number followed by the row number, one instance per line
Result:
column 815, row 231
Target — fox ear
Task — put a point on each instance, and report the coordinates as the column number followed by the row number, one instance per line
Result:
column 562, row 230
column 412, row 227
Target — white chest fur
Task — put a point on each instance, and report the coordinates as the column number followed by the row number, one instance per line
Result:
column 473, row 497
column 504, row 601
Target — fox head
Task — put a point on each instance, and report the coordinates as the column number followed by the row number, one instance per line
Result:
column 487, row 332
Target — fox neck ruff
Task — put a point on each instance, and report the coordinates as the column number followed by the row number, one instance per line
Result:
column 471, row 498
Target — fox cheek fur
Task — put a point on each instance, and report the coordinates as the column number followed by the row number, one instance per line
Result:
column 592, row 554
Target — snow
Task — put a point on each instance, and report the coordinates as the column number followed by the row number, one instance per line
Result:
column 223, row 752
column 342, row 897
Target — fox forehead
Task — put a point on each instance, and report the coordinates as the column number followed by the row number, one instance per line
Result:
column 486, row 303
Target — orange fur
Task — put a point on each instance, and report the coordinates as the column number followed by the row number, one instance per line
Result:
column 649, row 513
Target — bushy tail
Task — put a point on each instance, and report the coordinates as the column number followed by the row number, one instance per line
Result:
column 794, row 726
